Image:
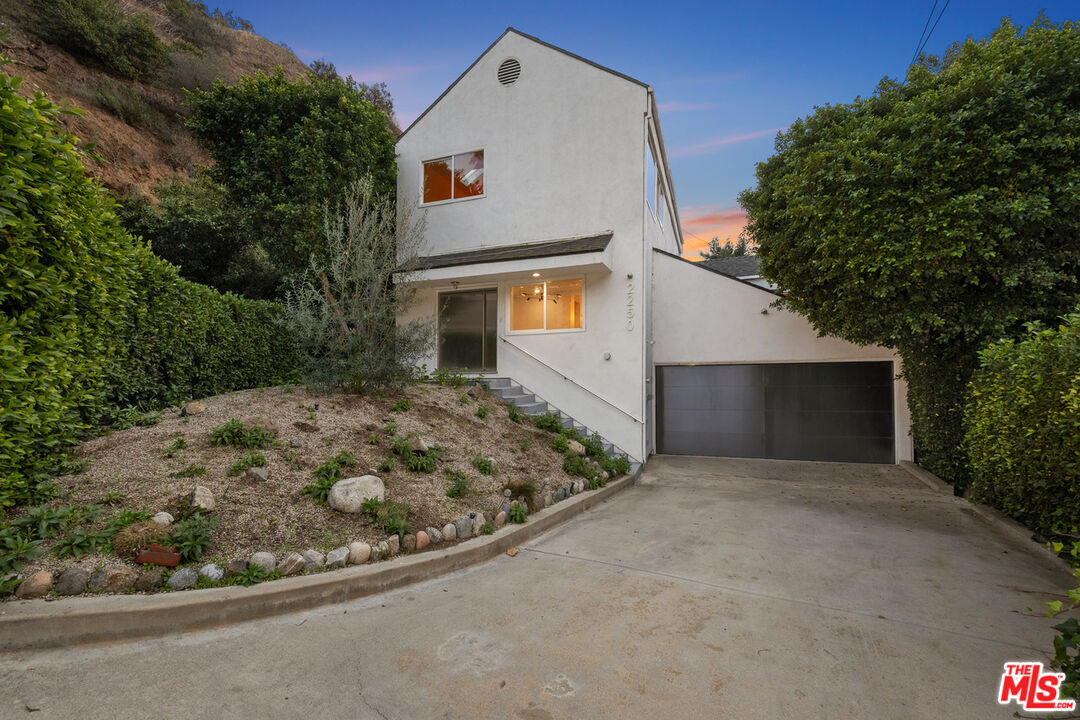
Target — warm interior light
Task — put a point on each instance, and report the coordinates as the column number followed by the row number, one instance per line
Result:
column 536, row 274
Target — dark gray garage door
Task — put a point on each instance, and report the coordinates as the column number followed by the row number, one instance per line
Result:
column 794, row 411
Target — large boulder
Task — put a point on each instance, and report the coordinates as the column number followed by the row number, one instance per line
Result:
column 71, row 581
column 37, row 585
column 193, row 408
column 348, row 495
column 201, row 498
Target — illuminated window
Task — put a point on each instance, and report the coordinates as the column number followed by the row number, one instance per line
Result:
column 454, row 177
column 547, row 306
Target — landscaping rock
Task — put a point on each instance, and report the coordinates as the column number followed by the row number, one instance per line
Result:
column 477, row 524
column 359, row 553
column 235, row 567
column 393, row 543
column 255, row 475
column 192, row 408
column 507, row 493
column 463, row 527
column 313, row 560
column 37, row 585
column 71, row 581
column 418, row 445
column 291, row 564
column 337, row 557
column 408, row 543
column 434, row 534
column 576, row 448
column 545, row 499
column 348, row 495
column 163, row 519
column 449, row 531
column 119, row 578
column 264, row 560
column 604, row 475
column 500, row 520
column 183, row 579
column 201, row 498
column 505, row 507
column 149, row 579
column 294, row 442
column 212, row 571
column 422, row 540
column 380, row 551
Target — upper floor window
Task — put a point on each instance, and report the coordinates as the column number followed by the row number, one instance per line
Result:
column 454, row 177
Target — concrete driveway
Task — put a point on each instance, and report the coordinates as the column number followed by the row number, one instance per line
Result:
column 712, row 589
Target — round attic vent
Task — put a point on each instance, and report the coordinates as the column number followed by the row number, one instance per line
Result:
column 509, row 71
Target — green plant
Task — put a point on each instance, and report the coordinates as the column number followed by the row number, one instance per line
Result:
column 177, row 445
column 460, row 484
column 81, row 542
column 373, row 440
column 129, row 417
column 518, row 513
column 525, row 444
column 615, row 465
column 102, row 30
column 112, row 498
column 420, row 463
column 191, row 471
column 487, row 528
column 249, row 460
column 125, row 518
column 448, row 377
column 594, row 446
column 386, row 465
column 572, row 433
column 401, row 405
column 84, row 514
column 515, row 414
column 401, row 446
column 486, row 466
column 123, row 102
column 235, row 433
column 481, row 412
column 560, row 444
column 327, row 474
column 391, row 515
column 9, row 584
column 370, row 508
column 463, row 399
column 16, row 548
column 574, row 464
column 253, row 575
column 192, row 535
column 1067, row 642
column 548, row 421
column 396, row 526
column 390, row 428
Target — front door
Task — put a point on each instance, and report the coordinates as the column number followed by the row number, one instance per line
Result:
column 467, row 330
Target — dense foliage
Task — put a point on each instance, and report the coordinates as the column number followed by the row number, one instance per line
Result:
column 344, row 309
column 1023, row 427
column 283, row 149
column 88, row 317
column 101, row 30
column 934, row 216
column 716, row 249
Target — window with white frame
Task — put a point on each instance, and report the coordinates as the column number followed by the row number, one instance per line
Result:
column 650, row 177
column 540, row 306
column 454, row 177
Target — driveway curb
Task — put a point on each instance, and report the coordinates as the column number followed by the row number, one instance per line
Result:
column 1005, row 525
column 37, row 625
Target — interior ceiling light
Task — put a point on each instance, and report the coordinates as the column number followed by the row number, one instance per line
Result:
column 536, row 274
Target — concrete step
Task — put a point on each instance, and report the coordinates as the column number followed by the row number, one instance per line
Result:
column 533, row 408
column 520, row 399
column 495, row 383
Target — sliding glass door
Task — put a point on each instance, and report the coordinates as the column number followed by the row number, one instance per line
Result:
column 467, row 330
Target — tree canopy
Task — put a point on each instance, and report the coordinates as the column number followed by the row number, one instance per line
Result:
column 285, row 148
column 935, row 215
column 727, row 249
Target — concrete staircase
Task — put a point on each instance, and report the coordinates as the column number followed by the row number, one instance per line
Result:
column 530, row 404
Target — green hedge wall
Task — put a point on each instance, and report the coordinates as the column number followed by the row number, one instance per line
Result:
column 1023, row 427
column 88, row 316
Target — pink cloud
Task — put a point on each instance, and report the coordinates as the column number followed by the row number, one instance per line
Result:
column 679, row 106
column 718, row 144
column 701, row 223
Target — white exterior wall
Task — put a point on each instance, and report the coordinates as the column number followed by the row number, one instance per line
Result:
column 700, row 316
column 563, row 157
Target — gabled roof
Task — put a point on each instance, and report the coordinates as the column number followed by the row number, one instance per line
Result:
column 737, row 266
column 527, row 37
column 521, row 251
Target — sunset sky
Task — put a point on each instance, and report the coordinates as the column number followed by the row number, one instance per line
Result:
column 727, row 75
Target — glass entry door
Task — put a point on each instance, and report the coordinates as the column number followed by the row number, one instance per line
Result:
column 467, row 329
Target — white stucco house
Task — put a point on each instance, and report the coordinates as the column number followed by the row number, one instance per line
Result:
column 552, row 268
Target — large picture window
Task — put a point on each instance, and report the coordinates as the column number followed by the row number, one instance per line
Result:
column 454, row 177
column 557, row 305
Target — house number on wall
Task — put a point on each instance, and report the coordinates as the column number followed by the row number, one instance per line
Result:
column 629, row 306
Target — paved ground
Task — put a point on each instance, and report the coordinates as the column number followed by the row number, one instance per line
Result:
column 713, row 589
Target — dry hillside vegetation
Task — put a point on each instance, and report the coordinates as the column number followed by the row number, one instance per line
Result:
column 274, row 515
column 137, row 126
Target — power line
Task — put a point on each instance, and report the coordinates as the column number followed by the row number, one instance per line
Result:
column 933, row 27
column 921, row 36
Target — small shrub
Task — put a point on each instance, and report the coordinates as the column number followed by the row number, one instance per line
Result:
column 516, row 415
column 391, row 515
column 401, row 405
column 112, row 498
column 83, row 514
column 420, row 463
column 370, row 508
column 396, row 526
column 522, row 487
column 486, row 466
column 373, row 440
column 327, row 474
column 487, row 528
column 133, row 538
column 574, row 464
column 249, row 460
column 459, row 484
column 448, row 378
column 560, row 444
column 518, row 513
column 615, row 466
column 548, row 421
column 463, row 399
column 81, row 542
column 235, row 433
column 177, row 445
column 129, row 417
column 42, row 522
column 525, row 444
column 481, row 412
column 594, row 446
column 387, row 465
column 400, row 446
column 253, row 575
column 15, row 549
column 572, row 433
column 192, row 535
column 125, row 518
column 390, row 428
column 191, row 471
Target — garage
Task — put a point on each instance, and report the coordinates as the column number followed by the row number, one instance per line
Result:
column 828, row 411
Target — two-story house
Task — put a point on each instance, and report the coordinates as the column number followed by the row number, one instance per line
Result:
column 552, row 263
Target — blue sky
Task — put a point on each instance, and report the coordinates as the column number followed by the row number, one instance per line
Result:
column 726, row 74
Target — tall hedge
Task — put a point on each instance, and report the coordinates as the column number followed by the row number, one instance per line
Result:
column 88, row 316
column 1023, row 427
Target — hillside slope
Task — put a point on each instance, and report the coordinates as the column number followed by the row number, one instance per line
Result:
column 137, row 126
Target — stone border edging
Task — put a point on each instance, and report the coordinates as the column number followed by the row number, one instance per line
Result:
column 1002, row 523
column 36, row 625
